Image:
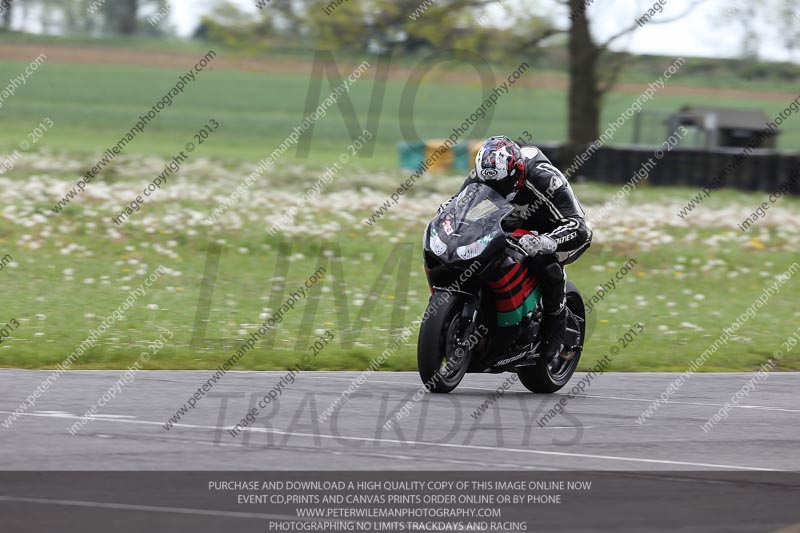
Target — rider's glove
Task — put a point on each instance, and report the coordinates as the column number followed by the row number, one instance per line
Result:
column 537, row 244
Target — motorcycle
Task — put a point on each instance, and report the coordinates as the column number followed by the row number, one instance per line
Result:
column 459, row 329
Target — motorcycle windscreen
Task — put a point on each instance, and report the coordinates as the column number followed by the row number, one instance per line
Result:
column 470, row 225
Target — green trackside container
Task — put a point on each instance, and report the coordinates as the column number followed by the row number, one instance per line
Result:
column 461, row 155
column 411, row 154
column 463, row 159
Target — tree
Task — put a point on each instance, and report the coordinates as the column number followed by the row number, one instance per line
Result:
column 585, row 92
column 63, row 16
column 121, row 16
column 6, row 24
column 786, row 18
column 409, row 26
column 464, row 24
column 744, row 16
column 593, row 71
column 113, row 17
column 518, row 32
column 232, row 27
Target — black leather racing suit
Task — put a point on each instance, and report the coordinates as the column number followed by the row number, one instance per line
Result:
column 546, row 204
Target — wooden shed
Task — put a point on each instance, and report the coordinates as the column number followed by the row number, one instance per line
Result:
column 723, row 126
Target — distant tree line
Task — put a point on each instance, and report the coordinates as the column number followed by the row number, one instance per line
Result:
column 84, row 17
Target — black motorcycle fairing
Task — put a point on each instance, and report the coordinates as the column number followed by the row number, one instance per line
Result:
column 469, row 228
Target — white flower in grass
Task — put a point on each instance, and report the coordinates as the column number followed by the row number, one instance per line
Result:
column 38, row 334
column 152, row 307
column 89, row 281
column 41, row 316
column 671, row 304
column 89, row 315
column 662, row 327
column 699, row 296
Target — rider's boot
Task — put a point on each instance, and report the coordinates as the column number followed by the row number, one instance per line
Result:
column 553, row 326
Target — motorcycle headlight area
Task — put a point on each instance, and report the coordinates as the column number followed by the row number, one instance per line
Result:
column 437, row 245
column 474, row 249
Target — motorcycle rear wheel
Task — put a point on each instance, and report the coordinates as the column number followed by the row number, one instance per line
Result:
column 548, row 378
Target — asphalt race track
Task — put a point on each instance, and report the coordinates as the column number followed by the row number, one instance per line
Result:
column 665, row 474
column 598, row 430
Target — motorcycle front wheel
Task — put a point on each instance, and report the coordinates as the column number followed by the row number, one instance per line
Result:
column 442, row 358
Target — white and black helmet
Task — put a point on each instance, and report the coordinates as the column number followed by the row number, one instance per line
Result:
column 500, row 160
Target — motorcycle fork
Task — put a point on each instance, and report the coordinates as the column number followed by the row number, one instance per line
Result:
column 470, row 314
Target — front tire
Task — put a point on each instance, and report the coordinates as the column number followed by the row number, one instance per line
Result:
column 442, row 363
column 548, row 378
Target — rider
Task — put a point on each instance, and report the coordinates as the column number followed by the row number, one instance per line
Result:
column 544, row 202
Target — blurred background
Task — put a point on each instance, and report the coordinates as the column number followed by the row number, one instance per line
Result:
column 696, row 82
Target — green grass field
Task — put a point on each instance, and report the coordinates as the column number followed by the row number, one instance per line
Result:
column 93, row 105
column 71, row 270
